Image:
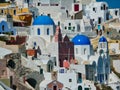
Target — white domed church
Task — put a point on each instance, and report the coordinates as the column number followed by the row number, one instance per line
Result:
column 41, row 37
column 97, row 63
column 41, row 33
column 44, row 27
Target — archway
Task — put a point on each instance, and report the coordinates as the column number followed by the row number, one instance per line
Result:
column 79, row 87
column 32, row 82
column 55, row 87
column 11, row 64
column 49, row 66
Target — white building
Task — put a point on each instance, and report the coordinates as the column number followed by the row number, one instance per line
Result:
column 59, row 10
column 74, row 26
column 97, row 12
column 100, row 62
column 114, row 13
column 69, row 80
column 42, row 30
column 82, row 47
column 41, row 38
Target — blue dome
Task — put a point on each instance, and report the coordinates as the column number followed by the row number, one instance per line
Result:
column 43, row 20
column 102, row 39
column 81, row 40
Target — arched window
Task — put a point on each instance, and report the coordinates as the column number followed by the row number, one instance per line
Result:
column 58, row 23
column 48, row 31
column 14, row 12
column 2, row 11
column 38, row 31
column 100, row 45
column 12, row 33
column 50, row 66
column 84, row 51
column 76, row 50
column 3, row 27
column 55, row 87
column 94, row 66
column 35, row 43
column 79, row 87
column 103, row 45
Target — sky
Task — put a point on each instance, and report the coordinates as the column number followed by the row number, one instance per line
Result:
column 112, row 3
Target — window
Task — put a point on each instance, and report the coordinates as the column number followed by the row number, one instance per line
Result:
column 3, row 27
column 101, row 8
column 49, row 15
column 48, row 31
column 38, row 31
column 2, row 11
column 14, row 12
column 12, row 33
column 100, row 45
column 116, row 12
column 70, row 80
column 55, row 87
column 41, row 71
column 79, row 87
column 65, row 27
column 76, row 7
column 58, row 23
column 35, row 43
column 73, row 28
column 79, row 78
column 84, row 51
column 99, row 20
column 38, row 4
column 103, row 45
column 104, row 6
column 69, row 28
column 69, row 24
column 67, row 13
column 76, row 50
column 106, row 66
column 86, row 88
column 93, row 9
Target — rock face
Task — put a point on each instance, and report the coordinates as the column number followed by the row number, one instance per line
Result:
column 36, row 77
